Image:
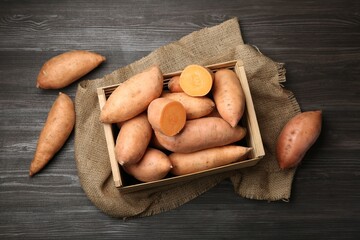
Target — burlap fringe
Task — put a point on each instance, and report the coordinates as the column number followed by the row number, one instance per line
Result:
column 282, row 78
column 281, row 72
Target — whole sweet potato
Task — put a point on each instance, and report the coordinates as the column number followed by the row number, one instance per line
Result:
column 185, row 163
column 133, row 96
column 153, row 166
column 296, row 137
column 133, row 139
column 64, row 69
column 58, row 126
column 202, row 133
column 228, row 96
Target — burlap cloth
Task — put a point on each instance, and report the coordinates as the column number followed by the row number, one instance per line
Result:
column 273, row 105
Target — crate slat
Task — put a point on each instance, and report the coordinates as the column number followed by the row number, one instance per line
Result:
column 110, row 142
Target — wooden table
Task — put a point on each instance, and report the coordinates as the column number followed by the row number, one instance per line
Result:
column 318, row 40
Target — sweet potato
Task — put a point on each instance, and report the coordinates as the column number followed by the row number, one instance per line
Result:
column 214, row 113
column 133, row 96
column 228, row 96
column 174, row 84
column 154, row 165
column 195, row 107
column 167, row 116
column 202, row 133
column 185, row 163
column 196, row 80
column 133, row 139
column 154, row 143
column 296, row 137
column 58, row 126
column 64, row 69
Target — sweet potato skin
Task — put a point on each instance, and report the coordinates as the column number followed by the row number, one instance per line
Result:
column 195, row 107
column 202, row 133
column 185, row 163
column 58, row 127
column 154, row 166
column 296, row 137
column 174, row 84
column 228, row 96
column 133, row 139
column 133, row 96
column 64, row 69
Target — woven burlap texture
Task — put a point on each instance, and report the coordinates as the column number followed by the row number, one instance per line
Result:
column 273, row 105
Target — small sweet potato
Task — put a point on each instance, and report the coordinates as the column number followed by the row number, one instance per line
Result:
column 296, row 137
column 174, row 84
column 133, row 139
column 154, row 165
column 64, row 69
column 58, row 126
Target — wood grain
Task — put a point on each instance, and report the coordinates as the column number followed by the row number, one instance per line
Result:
column 319, row 41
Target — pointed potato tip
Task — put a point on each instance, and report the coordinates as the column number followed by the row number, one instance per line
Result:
column 31, row 173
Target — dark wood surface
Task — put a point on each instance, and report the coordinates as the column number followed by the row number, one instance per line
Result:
column 318, row 40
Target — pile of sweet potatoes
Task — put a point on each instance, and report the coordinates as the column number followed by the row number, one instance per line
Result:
column 186, row 130
column 190, row 127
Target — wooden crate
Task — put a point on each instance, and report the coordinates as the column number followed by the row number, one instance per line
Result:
column 126, row 183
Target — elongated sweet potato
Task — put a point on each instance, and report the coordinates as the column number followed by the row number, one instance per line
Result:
column 228, row 96
column 185, row 163
column 196, row 80
column 133, row 96
column 133, row 139
column 154, row 165
column 58, row 126
column 202, row 133
column 296, row 137
column 195, row 107
column 64, row 69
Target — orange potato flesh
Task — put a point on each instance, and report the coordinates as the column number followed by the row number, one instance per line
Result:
column 167, row 116
column 196, row 80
